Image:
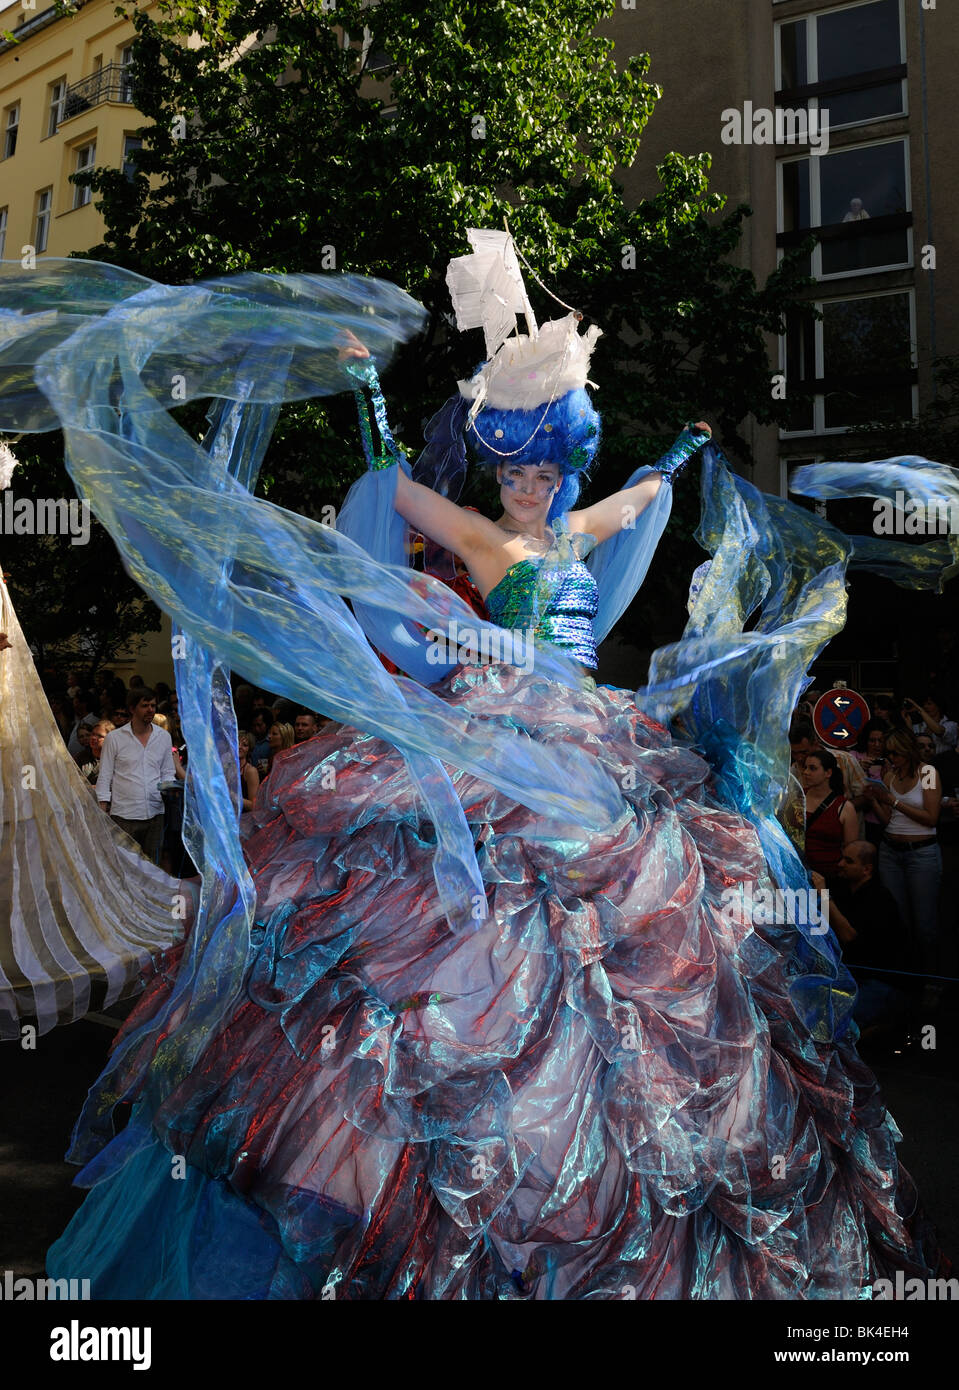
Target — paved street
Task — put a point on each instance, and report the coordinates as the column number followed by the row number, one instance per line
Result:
column 42, row 1093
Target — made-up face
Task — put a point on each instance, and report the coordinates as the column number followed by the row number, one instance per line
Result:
column 526, row 491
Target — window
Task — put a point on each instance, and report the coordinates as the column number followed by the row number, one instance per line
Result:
column 860, row 197
column 863, row 339
column 44, row 200
column 58, row 92
column 131, row 143
column 854, row 366
column 86, row 158
column 849, row 61
column 11, row 130
column 799, row 365
column 3, row 232
column 375, row 58
column 126, row 74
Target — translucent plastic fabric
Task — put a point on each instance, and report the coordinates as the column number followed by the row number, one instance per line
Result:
column 82, row 912
column 253, row 588
column 576, row 1090
column 581, row 1099
column 771, row 599
column 913, row 497
column 619, row 564
column 780, row 572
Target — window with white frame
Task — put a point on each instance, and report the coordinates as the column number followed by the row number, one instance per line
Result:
column 374, row 58
column 126, row 77
column 11, row 129
column 853, row 366
column 3, row 232
column 849, row 61
column 58, row 92
column 85, row 159
column 860, row 197
column 42, row 231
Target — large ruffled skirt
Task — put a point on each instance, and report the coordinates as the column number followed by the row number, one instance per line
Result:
column 607, row 1085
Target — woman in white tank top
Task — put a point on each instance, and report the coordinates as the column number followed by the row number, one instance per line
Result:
column 910, row 861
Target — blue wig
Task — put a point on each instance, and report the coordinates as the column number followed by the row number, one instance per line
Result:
column 567, row 436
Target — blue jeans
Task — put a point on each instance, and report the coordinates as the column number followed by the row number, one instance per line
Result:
column 913, row 880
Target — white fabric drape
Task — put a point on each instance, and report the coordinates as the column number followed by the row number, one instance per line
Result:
column 82, row 911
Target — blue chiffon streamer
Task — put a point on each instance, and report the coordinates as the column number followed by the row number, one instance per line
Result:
column 900, row 485
column 620, row 563
column 442, row 462
column 731, row 691
column 248, row 584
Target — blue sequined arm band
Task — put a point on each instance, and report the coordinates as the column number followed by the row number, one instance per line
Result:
column 689, row 442
column 365, row 372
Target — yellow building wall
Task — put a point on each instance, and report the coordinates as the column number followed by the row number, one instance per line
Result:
column 55, row 49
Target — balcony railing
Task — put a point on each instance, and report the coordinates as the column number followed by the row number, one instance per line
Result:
column 112, row 83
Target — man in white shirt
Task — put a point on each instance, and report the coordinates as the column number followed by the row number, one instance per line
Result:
column 135, row 760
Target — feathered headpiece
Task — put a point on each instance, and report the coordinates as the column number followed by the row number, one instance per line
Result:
column 524, row 371
column 528, row 402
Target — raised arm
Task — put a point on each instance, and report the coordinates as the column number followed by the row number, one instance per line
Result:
column 461, row 531
column 619, row 511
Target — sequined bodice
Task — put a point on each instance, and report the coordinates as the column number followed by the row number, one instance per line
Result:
column 567, row 599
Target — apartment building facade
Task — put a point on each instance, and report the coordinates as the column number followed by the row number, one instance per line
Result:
column 67, row 103
column 869, row 84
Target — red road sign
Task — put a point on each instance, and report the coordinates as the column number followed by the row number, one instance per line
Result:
column 839, row 717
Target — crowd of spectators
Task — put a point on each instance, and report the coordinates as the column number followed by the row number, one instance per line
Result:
column 128, row 745
column 878, row 826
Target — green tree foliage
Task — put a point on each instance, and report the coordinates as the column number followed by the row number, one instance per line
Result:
column 77, row 606
column 307, row 149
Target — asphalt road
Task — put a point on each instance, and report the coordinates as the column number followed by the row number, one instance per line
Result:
column 41, row 1093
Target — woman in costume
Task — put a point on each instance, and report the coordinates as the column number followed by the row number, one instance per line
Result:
column 488, row 1017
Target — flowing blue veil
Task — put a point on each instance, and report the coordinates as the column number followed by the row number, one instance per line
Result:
column 106, row 355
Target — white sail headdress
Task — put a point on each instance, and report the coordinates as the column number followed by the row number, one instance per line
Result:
column 524, row 371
